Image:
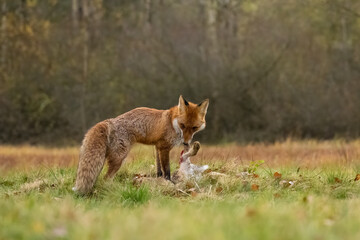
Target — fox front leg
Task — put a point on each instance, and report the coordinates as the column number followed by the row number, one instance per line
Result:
column 165, row 163
column 158, row 164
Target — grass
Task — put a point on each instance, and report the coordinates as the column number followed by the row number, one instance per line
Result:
column 322, row 202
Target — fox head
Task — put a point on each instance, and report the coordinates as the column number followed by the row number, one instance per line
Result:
column 190, row 119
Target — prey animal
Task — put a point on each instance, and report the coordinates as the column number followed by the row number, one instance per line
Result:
column 187, row 170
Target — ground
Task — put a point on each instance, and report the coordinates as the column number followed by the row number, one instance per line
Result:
column 287, row 190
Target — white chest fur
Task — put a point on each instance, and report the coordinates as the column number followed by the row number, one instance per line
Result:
column 179, row 138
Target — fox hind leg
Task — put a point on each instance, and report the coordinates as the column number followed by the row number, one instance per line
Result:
column 115, row 160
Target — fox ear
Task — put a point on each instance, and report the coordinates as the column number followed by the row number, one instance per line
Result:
column 182, row 104
column 203, row 106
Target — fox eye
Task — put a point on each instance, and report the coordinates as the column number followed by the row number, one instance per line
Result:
column 182, row 126
column 194, row 128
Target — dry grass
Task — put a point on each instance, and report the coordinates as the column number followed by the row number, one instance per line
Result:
column 29, row 157
column 299, row 153
column 288, row 153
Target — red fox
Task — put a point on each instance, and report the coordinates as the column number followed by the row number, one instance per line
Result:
column 111, row 139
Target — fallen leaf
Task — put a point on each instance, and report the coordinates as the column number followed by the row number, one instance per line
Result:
column 254, row 187
column 194, row 194
column 338, row 180
column 357, row 178
column 277, row 175
column 277, row 195
column 219, row 189
column 255, row 175
column 250, row 212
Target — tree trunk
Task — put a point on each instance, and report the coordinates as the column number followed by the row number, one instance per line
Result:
column 212, row 54
column 75, row 14
column 3, row 34
column 85, row 36
column 211, row 12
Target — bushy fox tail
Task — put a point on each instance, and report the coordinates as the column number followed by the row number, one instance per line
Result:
column 92, row 157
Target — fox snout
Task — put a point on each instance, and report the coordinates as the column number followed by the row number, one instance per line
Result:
column 187, row 138
column 189, row 132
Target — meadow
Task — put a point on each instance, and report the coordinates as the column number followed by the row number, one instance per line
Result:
column 285, row 190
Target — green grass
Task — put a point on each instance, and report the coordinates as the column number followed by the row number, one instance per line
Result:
column 40, row 205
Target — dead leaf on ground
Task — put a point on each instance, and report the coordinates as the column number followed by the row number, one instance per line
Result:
column 254, row 187
column 194, row 194
column 277, row 195
column 277, row 175
column 338, row 180
column 219, row 189
column 250, row 212
column 357, row 178
column 255, row 175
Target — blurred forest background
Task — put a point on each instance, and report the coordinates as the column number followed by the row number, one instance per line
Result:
column 271, row 68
